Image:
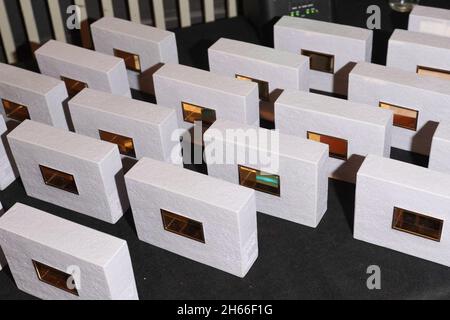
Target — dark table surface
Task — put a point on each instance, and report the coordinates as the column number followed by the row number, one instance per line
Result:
column 295, row 262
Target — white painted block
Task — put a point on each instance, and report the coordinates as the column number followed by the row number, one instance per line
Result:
column 152, row 46
column 440, row 148
column 427, row 97
column 430, row 20
column 282, row 70
column 362, row 129
column 347, row 45
column 42, row 96
column 7, row 172
column 97, row 70
column 151, row 128
column 385, row 184
column 410, row 51
column 299, row 167
column 96, row 187
column 2, row 256
column 221, row 231
column 99, row 265
column 231, row 99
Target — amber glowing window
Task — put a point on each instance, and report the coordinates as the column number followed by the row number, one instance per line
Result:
column 54, row 277
column 338, row 147
column 15, row 111
column 132, row 61
column 126, row 145
column 443, row 74
column 263, row 86
column 183, row 226
column 417, row 224
column 320, row 61
column 403, row 117
column 58, row 179
column 260, row 181
column 73, row 86
column 192, row 113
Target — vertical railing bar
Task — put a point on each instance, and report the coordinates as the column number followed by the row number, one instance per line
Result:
column 57, row 20
column 231, row 8
column 158, row 11
column 108, row 8
column 209, row 10
column 7, row 35
column 135, row 11
column 30, row 23
column 185, row 13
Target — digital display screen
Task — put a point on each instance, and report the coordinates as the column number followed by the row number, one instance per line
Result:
column 309, row 8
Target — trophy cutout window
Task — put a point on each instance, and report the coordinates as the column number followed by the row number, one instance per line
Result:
column 54, row 277
column 443, row 74
column 58, row 179
column 193, row 113
column 403, row 117
column 73, row 86
column 183, row 226
column 15, row 111
column 319, row 61
column 132, row 61
column 338, row 146
column 126, row 144
column 263, row 87
column 259, row 181
column 417, row 224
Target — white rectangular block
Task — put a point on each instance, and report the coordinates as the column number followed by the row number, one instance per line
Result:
column 140, row 129
column 294, row 186
column 143, row 47
column 2, row 256
column 70, row 170
column 85, row 67
column 333, row 48
column 352, row 130
column 28, row 95
column 430, row 20
column 280, row 69
column 222, row 97
column 55, row 259
column 403, row 207
column 440, row 148
column 7, row 172
column 418, row 103
column 193, row 215
column 423, row 53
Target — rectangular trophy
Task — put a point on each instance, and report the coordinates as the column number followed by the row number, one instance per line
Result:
column 8, row 173
column 198, row 217
column 55, row 259
column 70, row 170
column 430, row 20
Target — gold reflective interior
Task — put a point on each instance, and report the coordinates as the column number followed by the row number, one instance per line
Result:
column 263, row 86
column 338, row 146
column 54, row 277
column 183, row 226
column 15, row 111
column 73, row 86
column 58, row 179
column 132, row 61
column 417, row 224
column 126, row 144
column 438, row 73
column 193, row 113
column 319, row 61
column 403, row 117
column 260, row 181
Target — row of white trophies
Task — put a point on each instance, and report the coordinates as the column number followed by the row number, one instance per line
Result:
column 212, row 219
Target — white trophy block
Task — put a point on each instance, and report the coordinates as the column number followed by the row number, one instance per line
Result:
column 440, row 149
column 430, row 20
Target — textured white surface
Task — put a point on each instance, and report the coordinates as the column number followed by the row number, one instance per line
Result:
column 2, row 256
column 384, row 184
column 371, row 83
column 227, row 211
column 430, row 20
column 105, row 270
column 150, row 126
column 347, row 44
column 153, row 45
column 440, row 149
column 283, row 70
column 302, row 170
column 408, row 49
column 100, row 71
column 368, row 130
column 95, row 165
column 43, row 96
column 7, row 174
column 232, row 99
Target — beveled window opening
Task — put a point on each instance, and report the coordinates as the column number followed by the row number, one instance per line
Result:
column 54, row 277
column 132, row 60
column 193, row 113
column 259, row 180
column 417, row 224
column 319, row 61
column 15, row 111
column 338, row 146
column 73, row 86
column 58, row 179
column 182, row 226
column 438, row 73
column 403, row 117
column 125, row 144
column 263, row 86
